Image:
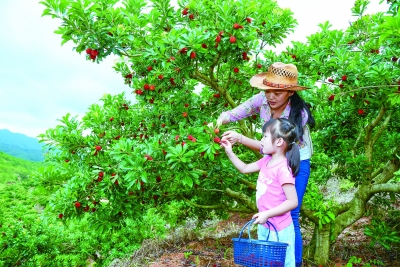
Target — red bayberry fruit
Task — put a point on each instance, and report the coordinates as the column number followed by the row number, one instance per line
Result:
column 361, row 112
column 341, row 85
column 254, row 116
column 259, row 66
column 88, row 51
column 112, row 118
column 152, row 87
column 294, row 56
column 331, row 80
column 248, row 20
column 177, row 137
column 78, row 205
column 67, row 160
column 236, row 70
column 163, row 125
column 216, row 95
column 190, row 137
column 183, row 143
column 98, row 148
column 191, row 16
column 94, row 53
column 139, row 92
column 344, row 78
column 92, row 57
column 204, row 46
column 232, row 39
column 158, row 179
column 218, row 39
column 244, row 55
column 237, row 26
column 101, row 174
column 183, row 50
column 184, row 114
column 149, row 68
column 216, row 131
column 331, row 98
column 192, row 55
column 217, row 139
column 186, row 105
column 185, row 11
column 160, row 76
column 394, row 59
column 146, row 87
column 60, row 215
column 366, row 102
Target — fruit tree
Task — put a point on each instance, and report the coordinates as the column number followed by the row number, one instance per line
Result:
column 186, row 64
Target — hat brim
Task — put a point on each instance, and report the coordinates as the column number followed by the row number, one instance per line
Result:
column 257, row 81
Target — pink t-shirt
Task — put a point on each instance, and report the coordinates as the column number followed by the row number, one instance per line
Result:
column 269, row 189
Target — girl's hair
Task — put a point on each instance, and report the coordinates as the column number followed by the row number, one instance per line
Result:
column 283, row 128
column 297, row 104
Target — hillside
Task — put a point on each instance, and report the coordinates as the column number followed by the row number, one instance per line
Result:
column 13, row 169
column 20, row 146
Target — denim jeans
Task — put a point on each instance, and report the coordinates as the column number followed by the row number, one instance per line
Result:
column 300, row 184
column 286, row 235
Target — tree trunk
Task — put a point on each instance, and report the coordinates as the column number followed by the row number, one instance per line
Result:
column 322, row 245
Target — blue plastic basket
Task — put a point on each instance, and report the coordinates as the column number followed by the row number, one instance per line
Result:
column 258, row 253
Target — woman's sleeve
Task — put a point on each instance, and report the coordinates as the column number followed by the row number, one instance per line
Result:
column 246, row 109
column 304, row 117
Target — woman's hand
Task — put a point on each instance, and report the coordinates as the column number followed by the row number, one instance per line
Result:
column 262, row 217
column 232, row 136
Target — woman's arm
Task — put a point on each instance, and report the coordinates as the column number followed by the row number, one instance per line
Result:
column 234, row 137
column 289, row 204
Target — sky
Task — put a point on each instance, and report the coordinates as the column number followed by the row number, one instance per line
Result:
column 41, row 81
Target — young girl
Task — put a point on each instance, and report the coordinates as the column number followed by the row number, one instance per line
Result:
column 276, row 195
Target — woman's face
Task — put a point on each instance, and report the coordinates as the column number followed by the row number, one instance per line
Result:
column 277, row 98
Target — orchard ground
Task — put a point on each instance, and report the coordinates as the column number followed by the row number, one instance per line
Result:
column 215, row 249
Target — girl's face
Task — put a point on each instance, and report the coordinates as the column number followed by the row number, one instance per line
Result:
column 277, row 98
column 267, row 146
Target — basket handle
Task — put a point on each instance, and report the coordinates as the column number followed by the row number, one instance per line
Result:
column 249, row 226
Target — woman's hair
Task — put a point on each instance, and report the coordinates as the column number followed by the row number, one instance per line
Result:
column 283, row 128
column 297, row 104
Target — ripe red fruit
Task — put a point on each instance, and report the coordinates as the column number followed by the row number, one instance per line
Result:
column 158, row 179
column 244, row 55
column 216, row 131
column 254, row 116
column 184, row 114
column 232, row 39
column 192, row 55
column 186, row 105
column 67, row 160
column 191, row 16
column 151, row 101
column 226, row 104
column 112, row 118
column 99, row 179
column 116, row 182
column 164, row 152
column 177, row 137
column 183, row 143
column 88, row 51
column 331, row 80
column 60, row 215
column 146, row 87
column 163, row 125
column 341, row 85
column 394, row 59
column 152, row 87
column 94, row 53
column 236, row 70
column 294, row 56
column 194, row 140
column 332, row 97
column 217, row 139
column 183, row 50
column 366, row 102
column 78, row 205
column 361, row 112
column 216, row 95
column 190, row 137
column 139, row 92
column 98, row 148
column 259, row 66
column 344, row 78
column 237, row 26
column 218, row 38
column 248, row 20
column 185, row 11
column 101, row 174
column 129, row 76
column 204, row 46
column 160, row 76
column 92, row 57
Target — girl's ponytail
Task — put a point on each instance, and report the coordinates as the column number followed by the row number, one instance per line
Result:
column 293, row 156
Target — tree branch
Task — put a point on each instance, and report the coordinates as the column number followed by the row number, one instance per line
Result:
column 382, row 128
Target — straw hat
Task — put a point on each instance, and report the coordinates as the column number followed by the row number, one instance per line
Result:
column 280, row 76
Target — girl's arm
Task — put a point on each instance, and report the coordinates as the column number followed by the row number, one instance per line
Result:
column 289, row 204
column 240, row 165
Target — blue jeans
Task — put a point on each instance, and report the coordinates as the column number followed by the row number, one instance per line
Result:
column 300, row 184
column 285, row 235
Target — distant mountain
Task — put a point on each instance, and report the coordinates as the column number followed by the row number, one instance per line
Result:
column 20, row 146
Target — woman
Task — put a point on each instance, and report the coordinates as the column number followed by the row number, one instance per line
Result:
column 279, row 99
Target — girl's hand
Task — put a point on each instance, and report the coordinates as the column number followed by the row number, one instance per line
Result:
column 232, row 136
column 226, row 144
column 262, row 217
